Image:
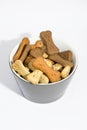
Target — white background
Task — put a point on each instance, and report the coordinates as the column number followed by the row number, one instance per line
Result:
column 68, row 21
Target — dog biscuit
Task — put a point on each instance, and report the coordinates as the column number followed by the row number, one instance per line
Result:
column 30, row 66
column 49, row 62
column 66, row 55
column 36, row 52
column 28, row 59
column 65, row 72
column 20, row 68
column 40, row 64
column 60, row 60
column 57, row 66
column 44, row 79
column 45, row 55
column 34, row 77
column 25, row 53
column 38, row 43
column 22, row 45
column 46, row 36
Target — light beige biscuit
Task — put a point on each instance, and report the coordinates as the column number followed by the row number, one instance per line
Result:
column 20, row 68
column 44, row 79
column 34, row 77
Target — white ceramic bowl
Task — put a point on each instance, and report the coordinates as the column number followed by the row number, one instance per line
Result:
column 44, row 93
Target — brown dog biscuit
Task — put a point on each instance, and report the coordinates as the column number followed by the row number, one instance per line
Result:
column 22, row 45
column 25, row 53
column 40, row 64
column 36, row 52
column 28, row 59
column 30, row 66
column 61, row 60
column 43, row 48
column 38, row 43
column 20, row 68
column 46, row 36
column 66, row 55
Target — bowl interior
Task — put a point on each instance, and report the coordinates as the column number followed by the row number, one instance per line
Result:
column 62, row 47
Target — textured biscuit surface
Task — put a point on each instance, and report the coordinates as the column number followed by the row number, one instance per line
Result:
column 46, row 36
column 60, row 60
column 66, row 55
column 22, row 45
column 40, row 64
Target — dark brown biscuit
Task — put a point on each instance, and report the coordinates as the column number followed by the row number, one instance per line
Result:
column 25, row 53
column 61, row 60
column 66, row 55
column 46, row 36
column 36, row 52
column 28, row 59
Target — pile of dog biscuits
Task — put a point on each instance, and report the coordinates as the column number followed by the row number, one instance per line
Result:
column 42, row 62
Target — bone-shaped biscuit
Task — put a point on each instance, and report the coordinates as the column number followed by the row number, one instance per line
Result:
column 40, row 64
column 36, row 52
column 46, row 36
column 27, row 60
column 65, row 72
column 49, row 62
column 25, row 53
column 38, row 43
column 22, row 45
column 30, row 66
column 34, row 77
column 20, row 68
column 57, row 67
column 66, row 55
column 44, row 79
column 61, row 60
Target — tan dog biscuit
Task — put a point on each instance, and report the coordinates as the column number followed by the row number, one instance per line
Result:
column 34, row 77
column 18, row 53
column 46, row 36
column 57, row 67
column 65, row 72
column 44, row 79
column 49, row 62
column 66, row 55
column 36, row 52
column 45, row 55
column 20, row 68
column 25, row 53
column 40, row 64
column 60, row 60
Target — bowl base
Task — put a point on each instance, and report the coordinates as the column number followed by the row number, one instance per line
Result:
column 41, row 101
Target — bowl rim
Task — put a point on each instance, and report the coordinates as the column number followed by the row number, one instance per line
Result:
column 42, row 84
